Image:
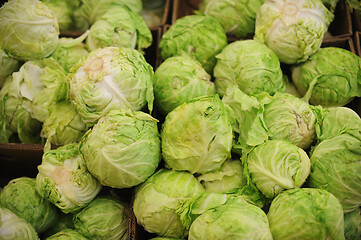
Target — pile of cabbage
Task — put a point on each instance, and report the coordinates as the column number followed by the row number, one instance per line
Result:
column 249, row 138
column 65, row 93
column 258, row 140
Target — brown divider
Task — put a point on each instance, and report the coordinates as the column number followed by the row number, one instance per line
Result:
column 341, row 25
column 356, row 41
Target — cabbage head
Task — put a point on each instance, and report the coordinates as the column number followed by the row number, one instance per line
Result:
column 306, row 213
column 335, row 167
column 16, row 123
column 67, row 234
column 103, row 218
column 123, row 149
column 237, row 17
column 119, row 27
column 63, row 12
column 89, row 11
column 249, row 65
column 70, row 51
column 13, row 227
column 64, row 179
column 8, row 65
column 290, row 118
column 180, row 79
column 275, row 166
column 330, row 78
column 336, row 121
column 28, row 29
column 63, row 126
column 160, row 201
column 20, row 197
column 260, row 117
column 235, row 219
column 111, row 78
column 201, row 37
column 293, row 29
column 352, row 225
column 41, row 84
column 197, row 135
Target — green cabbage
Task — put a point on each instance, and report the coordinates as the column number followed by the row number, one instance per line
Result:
column 159, row 203
column 335, row 166
column 335, row 121
column 41, row 84
column 260, row 117
column 201, row 37
column 306, row 213
column 63, row 12
column 249, row 65
column 275, row 166
column 119, row 27
column 13, row 227
column 8, row 65
column 235, row 219
column 64, row 125
column 352, row 224
column 237, row 17
column 20, row 197
column 111, row 78
column 294, row 30
column 67, row 234
column 197, row 135
column 123, row 149
column 104, row 218
column 64, row 179
column 89, row 11
column 70, row 50
column 330, row 4
column 15, row 120
column 331, row 77
column 29, row 30
column 178, row 80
